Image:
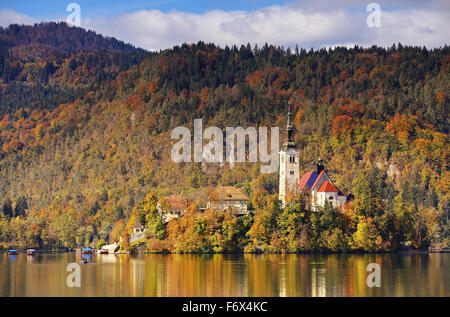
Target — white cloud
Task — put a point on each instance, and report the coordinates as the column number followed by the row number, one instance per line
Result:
column 413, row 27
column 280, row 25
column 8, row 17
column 275, row 25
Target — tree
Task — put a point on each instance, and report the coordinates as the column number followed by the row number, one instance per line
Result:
column 66, row 229
column 7, row 209
column 425, row 227
column 369, row 190
column 291, row 222
column 155, row 224
column 342, row 124
column 100, row 243
column 336, row 241
column 265, row 221
column 125, row 245
column 116, row 231
column 21, row 206
column 367, row 237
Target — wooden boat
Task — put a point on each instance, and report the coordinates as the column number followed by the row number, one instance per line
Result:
column 31, row 252
column 103, row 251
column 86, row 251
column 12, row 252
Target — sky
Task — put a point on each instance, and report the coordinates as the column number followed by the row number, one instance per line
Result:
column 161, row 24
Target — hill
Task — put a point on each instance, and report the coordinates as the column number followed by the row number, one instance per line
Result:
column 48, row 64
column 60, row 36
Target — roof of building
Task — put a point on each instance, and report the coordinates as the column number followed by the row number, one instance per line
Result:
column 204, row 195
column 137, row 225
column 176, row 203
column 314, row 181
column 322, row 173
column 308, row 180
column 327, row 187
column 196, row 195
column 230, row 193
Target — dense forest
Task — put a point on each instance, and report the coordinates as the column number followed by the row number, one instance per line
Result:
column 85, row 125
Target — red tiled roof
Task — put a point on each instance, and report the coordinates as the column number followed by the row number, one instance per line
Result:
column 317, row 179
column 327, row 187
column 304, row 180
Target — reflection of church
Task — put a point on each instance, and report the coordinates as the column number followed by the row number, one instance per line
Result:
column 317, row 183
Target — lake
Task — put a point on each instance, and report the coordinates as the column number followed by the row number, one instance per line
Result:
column 219, row 275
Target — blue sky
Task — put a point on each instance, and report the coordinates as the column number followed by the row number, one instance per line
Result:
column 49, row 9
column 160, row 24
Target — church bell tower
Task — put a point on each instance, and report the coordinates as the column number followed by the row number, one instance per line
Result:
column 289, row 163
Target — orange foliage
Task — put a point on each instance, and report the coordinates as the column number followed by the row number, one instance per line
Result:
column 440, row 98
column 359, row 72
column 397, row 56
column 298, row 118
column 4, row 121
column 14, row 145
column 354, row 110
column 255, row 77
column 116, row 231
column 403, row 136
column 402, row 125
column 134, row 101
column 334, row 80
column 204, row 93
column 376, row 71
column 443, row 184
column 147, row 89
column 342, row 124
column 422, row 147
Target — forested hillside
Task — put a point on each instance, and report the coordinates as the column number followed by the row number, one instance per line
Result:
column 85, row 125
column 39, row 65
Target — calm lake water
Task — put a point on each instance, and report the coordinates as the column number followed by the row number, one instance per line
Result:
column 225, row 275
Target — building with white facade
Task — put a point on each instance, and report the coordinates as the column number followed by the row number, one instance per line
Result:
column 316, row 183
column 321, row 189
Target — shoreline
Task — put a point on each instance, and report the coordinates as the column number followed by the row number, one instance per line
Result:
column 143, row 251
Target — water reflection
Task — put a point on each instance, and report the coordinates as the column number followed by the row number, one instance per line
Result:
column 318, row 283
column 225, row 275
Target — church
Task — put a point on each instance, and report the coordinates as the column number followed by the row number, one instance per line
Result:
column 316, row 183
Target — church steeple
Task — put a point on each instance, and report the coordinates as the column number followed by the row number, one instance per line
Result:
column 289, row 143
column 320, row 166
column 289, row 163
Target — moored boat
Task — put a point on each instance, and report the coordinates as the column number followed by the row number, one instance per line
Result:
column 103, row 251
column 31, row 252
column 12, row 252
column 86, row 251
column 438, row 248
